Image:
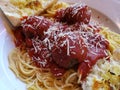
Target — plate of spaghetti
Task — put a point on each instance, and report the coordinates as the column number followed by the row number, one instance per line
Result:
column 67, row 46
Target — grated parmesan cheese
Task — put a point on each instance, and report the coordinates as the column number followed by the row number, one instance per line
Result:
column 104, row 76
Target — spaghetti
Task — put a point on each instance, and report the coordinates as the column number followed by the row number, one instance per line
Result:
column 51, row 11
column 39, row 77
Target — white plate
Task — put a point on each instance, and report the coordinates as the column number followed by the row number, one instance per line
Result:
column 110, row 8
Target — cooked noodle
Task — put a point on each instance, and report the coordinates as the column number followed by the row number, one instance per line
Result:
column 37, row 79
column 113, row 38
column 51, row 12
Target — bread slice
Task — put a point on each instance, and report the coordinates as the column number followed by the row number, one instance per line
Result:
column 17, row 9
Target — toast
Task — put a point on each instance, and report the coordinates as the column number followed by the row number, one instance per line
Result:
column 17, row 9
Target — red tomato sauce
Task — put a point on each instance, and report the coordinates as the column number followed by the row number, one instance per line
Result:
column 63, row 43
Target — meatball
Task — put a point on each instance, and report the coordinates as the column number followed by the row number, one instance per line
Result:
column 35, row 26
column 68, row 49
column 76, row 13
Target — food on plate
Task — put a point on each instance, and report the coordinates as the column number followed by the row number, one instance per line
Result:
column 64, row 50
column 16, row 9
column 73, row 14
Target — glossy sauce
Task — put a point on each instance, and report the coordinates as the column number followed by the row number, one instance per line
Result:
column 60, row 45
